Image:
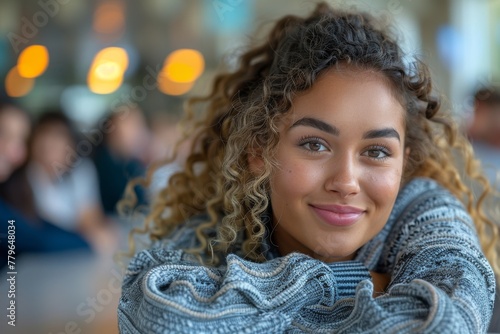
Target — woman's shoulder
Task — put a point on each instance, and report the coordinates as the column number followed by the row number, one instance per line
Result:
column 424, row 199
column 429, row 216
column 183, row 236
column 419, row 189
column 169, row 249
column 424, row 212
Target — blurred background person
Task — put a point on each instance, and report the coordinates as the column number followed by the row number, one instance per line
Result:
column 54, row 255
column 484, row 131
column 121, row 156
column 33, row 234
column 14, row 132
column 65, row 185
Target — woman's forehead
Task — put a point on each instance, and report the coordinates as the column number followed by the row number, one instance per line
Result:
column 356, row 94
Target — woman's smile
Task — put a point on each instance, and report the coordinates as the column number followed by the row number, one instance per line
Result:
column 338, row 215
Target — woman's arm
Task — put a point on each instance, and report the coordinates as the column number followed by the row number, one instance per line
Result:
column 441, row 283
column 446, row 288
column 440, row 280
column 176, row 294
column 165, row 287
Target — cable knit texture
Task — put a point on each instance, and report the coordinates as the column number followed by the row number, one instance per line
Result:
column 440, row 281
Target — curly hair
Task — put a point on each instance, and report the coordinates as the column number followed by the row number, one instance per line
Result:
column 240, row 117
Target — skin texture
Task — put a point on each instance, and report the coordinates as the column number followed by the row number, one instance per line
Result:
column 346, row 168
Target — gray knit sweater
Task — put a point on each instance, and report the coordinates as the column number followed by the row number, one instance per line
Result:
column 440, row 281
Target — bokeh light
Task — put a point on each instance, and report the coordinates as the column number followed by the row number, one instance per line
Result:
column 33, row 61
column 169, row 87
column 109, row 17
column 99, row 86
column 107, row 70
column 180, row 71
column 184, row 65
column 17, row 85
column 113, row 54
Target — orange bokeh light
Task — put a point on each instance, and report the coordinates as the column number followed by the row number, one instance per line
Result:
column 99, row 86
column 109, row 17
column 107, row 70
column 184, row 65
column 33, row 61
column 17, row 85
column 112, row 54
column 167, row 86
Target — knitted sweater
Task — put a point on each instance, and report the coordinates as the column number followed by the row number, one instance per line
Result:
column 440, row 281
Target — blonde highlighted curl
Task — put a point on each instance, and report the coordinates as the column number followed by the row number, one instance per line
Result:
column 240, row 117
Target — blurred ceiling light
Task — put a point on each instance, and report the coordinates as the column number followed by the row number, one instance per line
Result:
column 113, row 54
column 17, row 85
column 33, row 61
column 109, row 17
column 184, row 65
column 107, row 70
column 169, row 87
column 99, row 86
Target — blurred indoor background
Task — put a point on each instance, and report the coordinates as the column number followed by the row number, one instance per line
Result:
column 71, row 64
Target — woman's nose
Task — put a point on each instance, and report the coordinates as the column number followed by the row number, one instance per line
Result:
column 343, row 177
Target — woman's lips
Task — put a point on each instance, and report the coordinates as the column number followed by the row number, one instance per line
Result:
column 338, row 215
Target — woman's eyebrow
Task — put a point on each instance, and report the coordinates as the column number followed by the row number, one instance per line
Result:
column 318, row 124
column 323, row 126
column 381, row 133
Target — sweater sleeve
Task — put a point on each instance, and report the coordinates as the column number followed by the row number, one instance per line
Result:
column 167, row 291
column 441, row 282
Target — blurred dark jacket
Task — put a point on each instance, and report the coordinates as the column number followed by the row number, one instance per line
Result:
column 114, row 173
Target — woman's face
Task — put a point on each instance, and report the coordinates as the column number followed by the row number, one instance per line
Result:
column 340, row 155
column 14, row 131
column 52, row 145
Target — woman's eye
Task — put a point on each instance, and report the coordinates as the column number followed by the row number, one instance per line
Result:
column 377, row 154
column 314, row 146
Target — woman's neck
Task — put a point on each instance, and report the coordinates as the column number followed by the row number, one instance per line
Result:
column 287, row 244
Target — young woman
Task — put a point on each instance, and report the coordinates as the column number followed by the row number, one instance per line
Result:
column 322, row 194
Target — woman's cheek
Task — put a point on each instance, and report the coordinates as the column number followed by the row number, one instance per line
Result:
column 297, row 178
column 383, row 185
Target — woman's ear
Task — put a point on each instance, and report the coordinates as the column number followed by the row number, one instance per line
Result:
column 255, row 161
